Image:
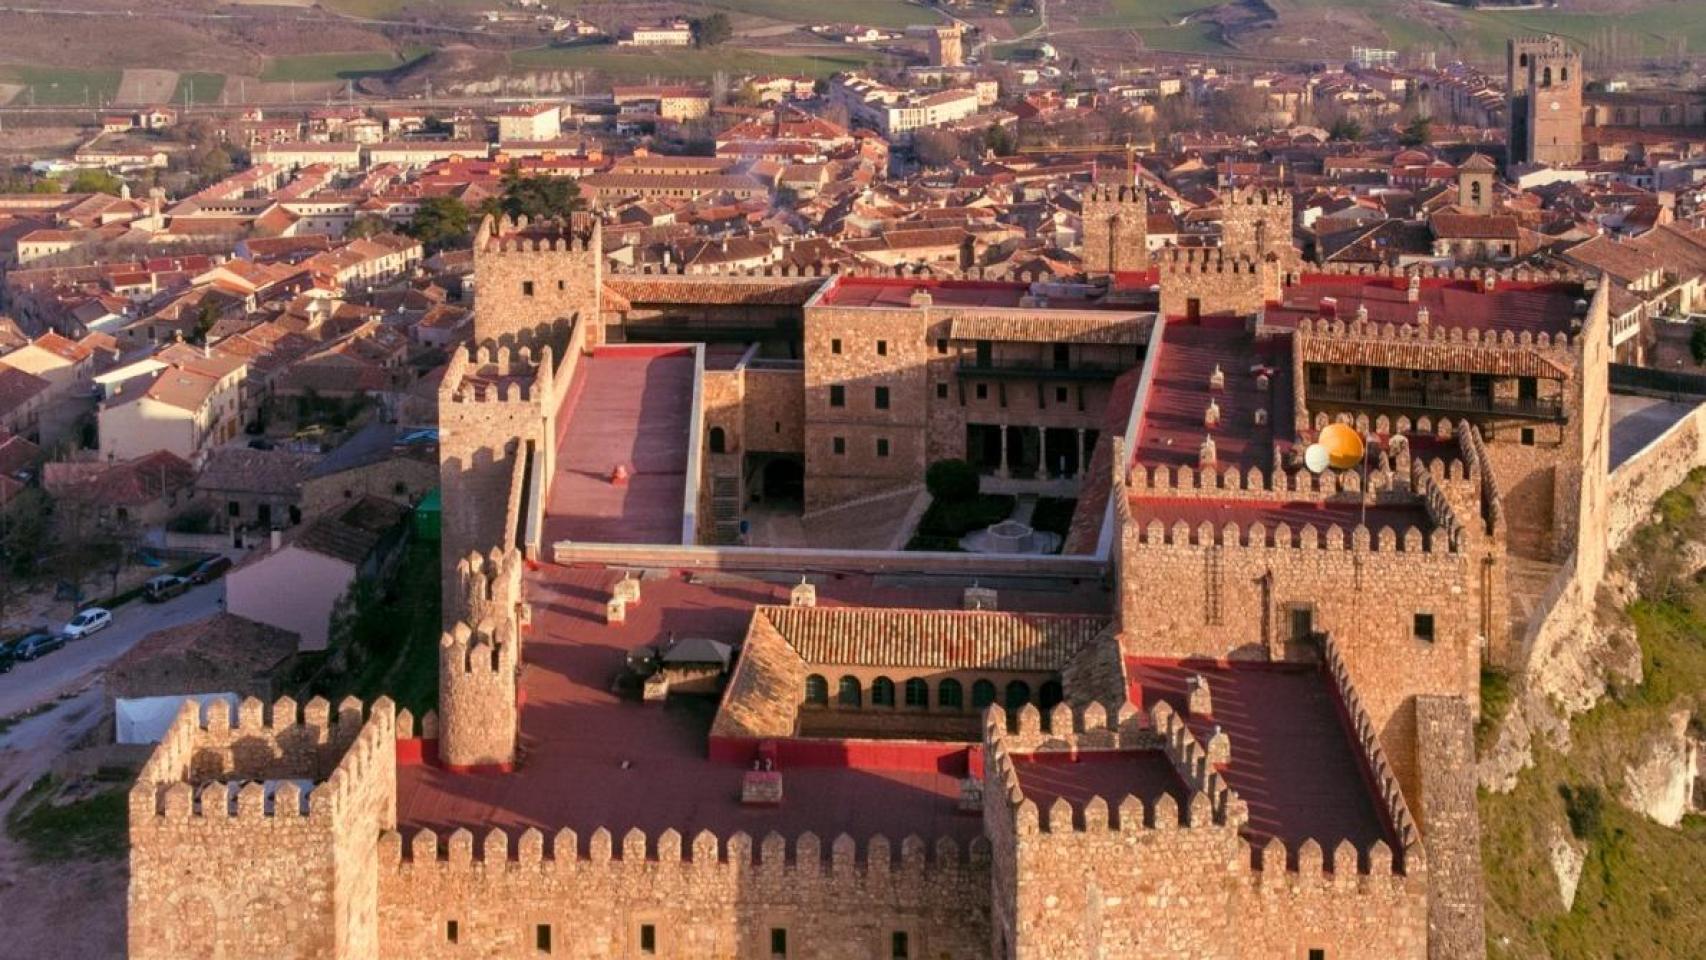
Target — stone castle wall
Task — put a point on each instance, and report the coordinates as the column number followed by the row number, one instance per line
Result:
column 1129, row 877
column 533, row 276
column 217, row 864
column 1116, row 229
column 705, row 897
column 1208, row 281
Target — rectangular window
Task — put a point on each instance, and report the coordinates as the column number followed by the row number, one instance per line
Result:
column 542, row 938
column 648, row 938
column 1059, row 394
column 452, row 931
column 233, row 509
column 941, row 345
column 882, row 398
column 561, row 286
column 835, row 345
column 983, row 391
column 839, row 445
column 1424, row 627
column 527, row 288
column 1528, row 436
column 1316, row 953
column 778, row 942
column 882, row 348
column 899, row 948
column 941, row 391
column 882, row 446
column 838, row 396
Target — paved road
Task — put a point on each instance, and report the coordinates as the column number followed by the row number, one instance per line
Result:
column 74, row 664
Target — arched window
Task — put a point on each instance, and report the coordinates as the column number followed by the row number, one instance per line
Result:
column 849, row 695
column 718, row 441
column 982, row 694
column 950, row 695
column 1018, row 694
column 917, row 693
column 882, row 692
column 1475, row 192
column 1564, row 74
column 1546, row 77
column 817, row 690
column 1050, row 694
column 1522, row 61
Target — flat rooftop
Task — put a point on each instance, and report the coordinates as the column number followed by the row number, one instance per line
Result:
column 1511, row 305
column 1294, row 760
column 629, row 406
column 577, row 734
column 897, row 292
column 1109, row 774
column 1184, row 359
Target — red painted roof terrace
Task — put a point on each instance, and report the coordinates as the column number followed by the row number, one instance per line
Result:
column 1510, row 305
column 1294, row 759
column 1179, row 395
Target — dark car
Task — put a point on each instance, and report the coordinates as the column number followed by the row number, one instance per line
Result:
column 37, row 645
column 210, row 569
column 164, row 587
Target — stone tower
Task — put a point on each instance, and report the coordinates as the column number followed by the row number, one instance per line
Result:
column 1475, row 184
column 530, row 276
column 477, row 665
column 945, row 46
column 1256, row 221
column 1545, row 80
column 1116, row 228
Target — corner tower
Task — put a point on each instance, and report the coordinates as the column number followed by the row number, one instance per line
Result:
column 479, row 657
column 530, row 276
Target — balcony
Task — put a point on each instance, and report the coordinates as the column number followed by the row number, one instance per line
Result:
column 1418, row 399
column 1037, row 370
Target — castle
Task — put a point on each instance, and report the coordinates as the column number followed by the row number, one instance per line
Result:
column 1544, row 81
column 1233, row 717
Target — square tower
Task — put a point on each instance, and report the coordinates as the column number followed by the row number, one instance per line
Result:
column 1544, row 78
column 1116, row 228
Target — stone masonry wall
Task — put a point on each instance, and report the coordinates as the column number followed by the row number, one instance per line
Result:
column 703, row 898
column 1450, row 820
column 859, row 369
column 1116, row 229
column 1218, row 282
column 220, row 869
column 1639, row 481
column 526, row 280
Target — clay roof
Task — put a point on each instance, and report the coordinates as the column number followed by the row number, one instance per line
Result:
column 1475, row 226
column 220, row 647
column 18, row 387
column 255, row 471
column 132, row 483
column 1048, row 328
column 932, row 639
column 352, row 533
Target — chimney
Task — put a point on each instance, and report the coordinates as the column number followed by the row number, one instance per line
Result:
column 1414, row 293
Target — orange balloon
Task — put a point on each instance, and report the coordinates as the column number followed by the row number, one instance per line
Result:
column 1344, row 445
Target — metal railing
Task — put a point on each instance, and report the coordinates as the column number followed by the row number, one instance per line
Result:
column 1037, row 369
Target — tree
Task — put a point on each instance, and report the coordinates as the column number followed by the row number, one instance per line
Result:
column 935, row 147
column 367, row 225
column 440, row 222
column 205, row 318
column 951, row 480
column 1345, row 127
column 538, row 198
column 95, row 181
column 1240, row 109
column 1417, row 132
column 712, row 30
column 998, row 140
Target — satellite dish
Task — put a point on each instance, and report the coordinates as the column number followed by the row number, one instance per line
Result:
column 1316, row 458
column 1344, row 445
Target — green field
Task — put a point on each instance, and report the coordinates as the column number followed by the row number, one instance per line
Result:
column 624, row 63
column 875, row 13
column 52, row 86
column 323, row 67
column 199, row 87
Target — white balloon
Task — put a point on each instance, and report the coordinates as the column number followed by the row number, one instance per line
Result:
column 1316, row 458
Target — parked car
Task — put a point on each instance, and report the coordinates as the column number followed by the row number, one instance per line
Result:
column 37, row 645
column 210, row 569
column 88, row 621
column 164, row 587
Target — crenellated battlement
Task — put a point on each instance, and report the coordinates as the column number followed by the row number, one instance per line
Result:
column 1282, row 536
column 1255, row 195
column 580, row 233
column 490, row 584
column 1116, row 193
column 1204, row 260
column 1520, row 274
column 1385, row 781
column 1423, row 331
column 566, row 850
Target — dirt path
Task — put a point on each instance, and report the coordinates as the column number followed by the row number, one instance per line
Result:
column 59, row 910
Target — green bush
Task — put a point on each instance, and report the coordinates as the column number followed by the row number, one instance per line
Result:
column 951, row 480
column 1585, row 808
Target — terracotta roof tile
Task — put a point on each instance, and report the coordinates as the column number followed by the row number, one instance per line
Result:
column 933, row 639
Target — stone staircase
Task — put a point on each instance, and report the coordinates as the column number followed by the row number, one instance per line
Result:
column 725, row 508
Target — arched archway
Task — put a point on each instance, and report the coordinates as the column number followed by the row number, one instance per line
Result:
column 784, row 478
column 882, row 692
column 1018, row 694
column 982, row 694
column 817, row 690
column 950, row 695
column 850, row 693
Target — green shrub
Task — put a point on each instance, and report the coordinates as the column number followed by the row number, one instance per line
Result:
column 951, row 480
column 1585, row 807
